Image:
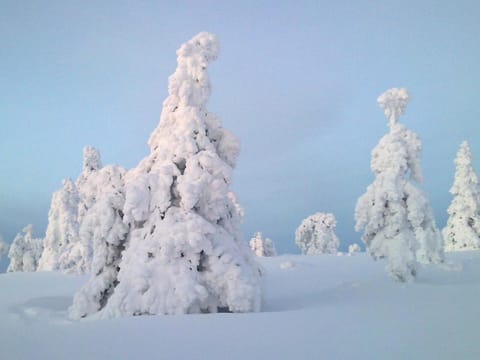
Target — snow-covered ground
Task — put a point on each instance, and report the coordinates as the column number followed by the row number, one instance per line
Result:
column 324, row 307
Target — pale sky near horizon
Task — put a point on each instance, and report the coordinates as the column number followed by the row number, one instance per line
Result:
column 296, row 82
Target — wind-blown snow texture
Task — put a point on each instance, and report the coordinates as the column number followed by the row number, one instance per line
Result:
column 463, row 227
column 184, row 252
column 362, row 314
column 397, row 220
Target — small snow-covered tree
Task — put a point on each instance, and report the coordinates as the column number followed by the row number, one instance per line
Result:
column 65, row 249
column 261, row 246
column 184, row 252
column 103, row 225
column 316, row 235
column 353, row 248
column 396, row 218
column 463, row 227
column 86, row 183
column 25, row 251
column 62, row 230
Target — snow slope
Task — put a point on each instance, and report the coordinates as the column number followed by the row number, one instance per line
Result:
column 324, row 307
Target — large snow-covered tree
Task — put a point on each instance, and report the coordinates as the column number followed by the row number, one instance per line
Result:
column 261, row 246
column 463, row 227
column 25, row 251
column 103, row 225
column 316, row 235
column 395, row 215
column 62, row 230
column 184, row 252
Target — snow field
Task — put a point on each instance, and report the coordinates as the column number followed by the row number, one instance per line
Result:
column 324, row 307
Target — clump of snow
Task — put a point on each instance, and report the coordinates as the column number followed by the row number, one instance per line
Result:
column 462, row 231
column 394, row 103
column 316, row 235
column 353, row 248
column 184, row 252
column 25, row 251
column 238, row 208
column 92, row 160
column 261, row 246
column 286, row 265
column 395, row 215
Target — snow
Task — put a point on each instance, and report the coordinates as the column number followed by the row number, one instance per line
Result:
column 462, row 231
column 325, row 307
column 394, row 213
column 183, row 249
column 316, row 235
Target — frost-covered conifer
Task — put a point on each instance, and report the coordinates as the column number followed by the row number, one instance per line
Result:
column 65, row 249
column 86, row 182
column 463, row 227
column 25, row 251
column 353, row 248
column 396, row 218
column 103, row 226
column 185, row 253
column 316, row 235
column 62, row 230
column 261, row 246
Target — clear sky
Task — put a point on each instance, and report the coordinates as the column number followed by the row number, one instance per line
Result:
column 296, row 81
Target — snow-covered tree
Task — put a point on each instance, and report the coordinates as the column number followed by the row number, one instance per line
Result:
column 463, row 227
column 25, row 251
column 103, row 225
column 261, row 246
column 184, row 252
column 62, row 230
column 395, row 215
column 316, row 235
column 65, row 249
column 353, row 248
column 86, row 182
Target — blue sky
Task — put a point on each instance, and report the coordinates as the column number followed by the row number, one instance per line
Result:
column 296, row 81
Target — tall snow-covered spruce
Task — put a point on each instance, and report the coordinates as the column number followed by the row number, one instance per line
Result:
column 184, row 252
column 395, row 215
column 463, row 227
column 316, row 235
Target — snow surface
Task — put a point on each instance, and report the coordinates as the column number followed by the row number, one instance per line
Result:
column 324, row 307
